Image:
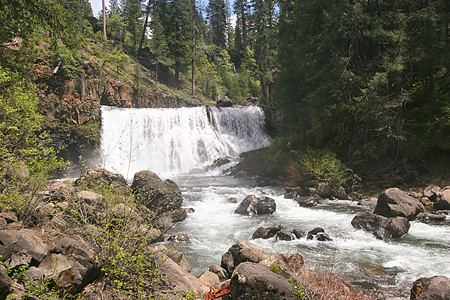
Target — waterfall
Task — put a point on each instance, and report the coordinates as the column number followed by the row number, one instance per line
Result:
column 172, row 141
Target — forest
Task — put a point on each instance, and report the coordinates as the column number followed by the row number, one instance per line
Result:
column 367, row 80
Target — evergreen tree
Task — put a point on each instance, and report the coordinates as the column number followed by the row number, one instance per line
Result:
column 217, row 17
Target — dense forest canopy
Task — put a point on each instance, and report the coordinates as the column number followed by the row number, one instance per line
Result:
column 367, row 80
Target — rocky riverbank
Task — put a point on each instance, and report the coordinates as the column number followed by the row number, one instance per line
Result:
column 97, row 238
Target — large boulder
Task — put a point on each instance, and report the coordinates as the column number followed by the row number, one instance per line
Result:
column 24, row 241
column 101, row 178
column 224, row 102
column 176, row 279
column 5, row 283
column 253, row 205
column 267, row 232
column 394, row 202
column 443, row 199
column 257, row 281
column 431, row 192
column 71, row 263
column 155, row 194
column 243, row 251
column 381, row 227
column 431, row 288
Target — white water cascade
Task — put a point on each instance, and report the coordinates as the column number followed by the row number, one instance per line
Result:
column 174, row 141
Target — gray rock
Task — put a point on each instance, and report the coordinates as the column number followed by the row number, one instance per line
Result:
column 243, row 251
column 431, row 288
column 443, row 199
column 253, row 205
column 210, row 279
column 299, row 233
column 157, row 195
column 224, row 102
column 23, row 240
column 431, row 192
column 381, row 227
column 5, row 283
column 430, row 217
column 257, row 281
column 90, row 198
column 267, row 232
column 285, row 236
column 309, row 201
column 101, row 178
column 394, row 202
column 179, row 238
column 216, row 269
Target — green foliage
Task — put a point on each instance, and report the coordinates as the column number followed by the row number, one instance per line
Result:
column 317, row 165
column 25, row 159
column 122, row 237
column 45, row 290
column 275, row 268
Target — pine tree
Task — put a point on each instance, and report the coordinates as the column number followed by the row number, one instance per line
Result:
column 217, row 17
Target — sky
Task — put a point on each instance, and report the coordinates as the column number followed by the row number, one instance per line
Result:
column 97, row 5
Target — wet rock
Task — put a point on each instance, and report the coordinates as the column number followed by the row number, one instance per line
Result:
column 243, row 251
column 309, row 201
column 431, row 288
column 257, row 281
column 253, row 205
column 267, row 232
column 293, row 192
column 285, row 236
column 179, row 238
column 371, row 202
column 224, row 102
column 232, row 200
column 430, row 217
column 393, row 202
column 220, row 162
column 299, row 233
column 381, row 227
column 314, row 232
column 157, row 195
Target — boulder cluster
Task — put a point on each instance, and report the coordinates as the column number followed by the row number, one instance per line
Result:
column 394, row 209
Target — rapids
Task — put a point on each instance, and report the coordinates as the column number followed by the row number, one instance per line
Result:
column 182, row 143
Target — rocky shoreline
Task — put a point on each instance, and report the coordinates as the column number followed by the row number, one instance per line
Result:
column 60, row 244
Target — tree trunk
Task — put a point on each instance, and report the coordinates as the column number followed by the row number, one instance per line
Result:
column 104, row 19
column 193, row 47
column 147, row 13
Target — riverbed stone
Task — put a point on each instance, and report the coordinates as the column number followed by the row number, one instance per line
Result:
column 243, row 251
column 381, row 227
column 431, row 288
column 393, row 202
column 253, row 205
column 431, row 192
column 267, row 232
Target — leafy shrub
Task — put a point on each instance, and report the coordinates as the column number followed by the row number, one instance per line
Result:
column 25, row 160
column 318, row 165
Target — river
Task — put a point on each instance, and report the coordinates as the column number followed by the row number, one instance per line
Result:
column 183, row 143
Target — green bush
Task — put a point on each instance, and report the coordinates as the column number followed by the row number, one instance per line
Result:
column 25, row 160
column 318, row 165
